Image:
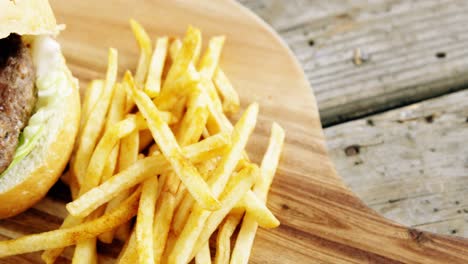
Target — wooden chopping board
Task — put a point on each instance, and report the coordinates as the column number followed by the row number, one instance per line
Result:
column 322, row 221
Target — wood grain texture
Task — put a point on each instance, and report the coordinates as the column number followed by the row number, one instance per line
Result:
column 322, row 221
column 399, row 200
column 413, row 50
column 410, row 164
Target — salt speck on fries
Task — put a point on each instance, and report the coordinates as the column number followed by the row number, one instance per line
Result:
column 157, row 146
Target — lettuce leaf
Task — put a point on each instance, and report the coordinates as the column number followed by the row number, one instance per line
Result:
column 25, row 146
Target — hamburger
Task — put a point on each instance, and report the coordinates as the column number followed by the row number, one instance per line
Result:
column 39, row 105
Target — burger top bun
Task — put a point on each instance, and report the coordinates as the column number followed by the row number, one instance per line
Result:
column 55, row 120
column 27, row 17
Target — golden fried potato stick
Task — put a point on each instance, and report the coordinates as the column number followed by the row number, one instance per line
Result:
column 187, row 54
column 258, row 210
column 129, row 253
column 138, row 172
column 98, row 160
column 187, row 241
column 215, row 219
column 210, row 59
column 175, row 47
column 166, row 141
column 204, row 255
column 144, row 44
column 171, row 240
column 116, row 114
column 244, row 242
column 49, row 256
column 220, row 176
column 92, row 94
column 182, row 73
column 229, row 95
column 223, row 240
column 207, row 67
column 189, row 132
column 153, row 79
column 128, row 156
column 85, row 252
column 162, row 223
column 145, row 218
column 95, row 122
column 69, row 236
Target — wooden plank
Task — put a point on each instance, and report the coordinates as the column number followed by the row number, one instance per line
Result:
column 413, row 50
column 410, row 164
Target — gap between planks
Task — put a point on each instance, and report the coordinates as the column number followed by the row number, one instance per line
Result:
column 410, row 164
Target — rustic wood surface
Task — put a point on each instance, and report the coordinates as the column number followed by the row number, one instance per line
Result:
column 411, row 50
column 322, row 221
column 405, row 43
column 410, row 164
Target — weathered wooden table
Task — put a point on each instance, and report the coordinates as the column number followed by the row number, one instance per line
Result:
column 390, row 79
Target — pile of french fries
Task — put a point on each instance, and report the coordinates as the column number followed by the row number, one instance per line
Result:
column 159, row 146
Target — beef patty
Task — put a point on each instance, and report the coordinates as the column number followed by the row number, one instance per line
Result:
column 18, row 94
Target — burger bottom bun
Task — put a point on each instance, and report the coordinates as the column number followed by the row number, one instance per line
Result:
column 30, row 179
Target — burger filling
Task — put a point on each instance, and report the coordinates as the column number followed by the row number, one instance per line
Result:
column 18, row 95
column 32, row 81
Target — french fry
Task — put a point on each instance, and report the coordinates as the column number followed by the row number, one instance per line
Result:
column 210, row 59
column 205, row 168
column 96, row 121
column 116, row 110
column 175, row 47
column 91, row 97
column 203, row 256
column 208, row 148
column 129, row 253
column 162, row 225
column 217, row 217
column 192, row 125
column 188, row 53
column 171, row 240
column 182, row 72
column 207, row 67
column 128, row 156
column 171, row 150
column 103, row 149
column 49, row 256
column 258, row 210
column 111, row 164
column 189, row 132
column 244, row 242
column 223, row 240
column 65, row 237
column 139, row 171
column 229, row 96
column 85, row 252
column 144, row 44
column 153, row 79
column 217, row 181
column 188, row 238
column 116, row 113
column 178, row 90
column 145, row 217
